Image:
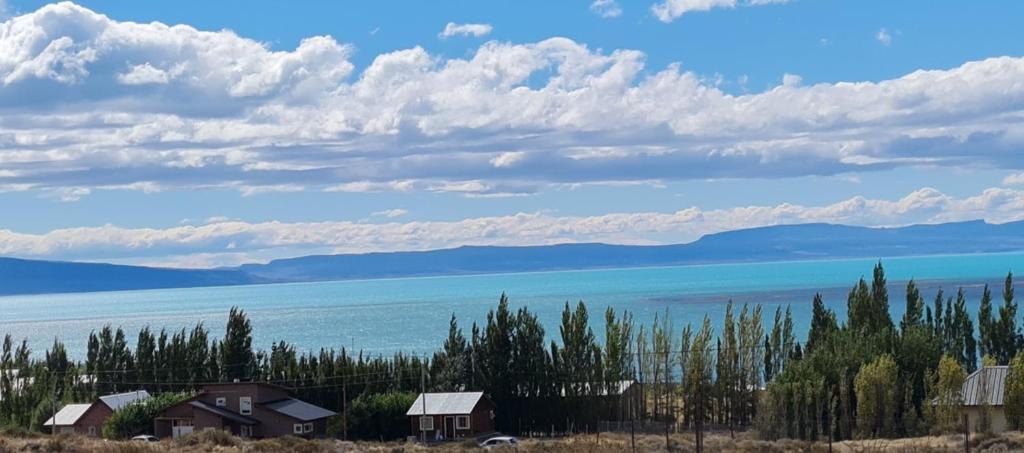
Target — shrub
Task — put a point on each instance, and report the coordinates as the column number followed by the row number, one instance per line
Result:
column 378, row 417
column 208, row 437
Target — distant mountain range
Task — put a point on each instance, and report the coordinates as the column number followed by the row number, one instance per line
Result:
column 775, row 243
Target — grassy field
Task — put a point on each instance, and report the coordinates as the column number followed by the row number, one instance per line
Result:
column 216, row 441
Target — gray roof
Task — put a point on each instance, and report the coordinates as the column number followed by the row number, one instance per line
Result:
column 68, row 415
column 446, row 403
column 988, row 383
column 119, row 400
column 298, row 409
column 224, row 413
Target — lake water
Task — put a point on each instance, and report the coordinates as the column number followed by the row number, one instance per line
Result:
column 411, row 314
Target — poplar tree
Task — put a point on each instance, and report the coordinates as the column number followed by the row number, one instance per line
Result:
column 1008, row 340
column 236, row 350
column 987, row 327
column 1014, row 396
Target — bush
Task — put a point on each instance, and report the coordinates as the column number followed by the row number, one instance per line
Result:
column 137, row 418
column 208, row 437
column 376, row 417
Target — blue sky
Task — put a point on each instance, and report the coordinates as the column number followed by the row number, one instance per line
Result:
column 241, row 136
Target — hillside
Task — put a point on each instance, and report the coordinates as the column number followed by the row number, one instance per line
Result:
column 776, row 243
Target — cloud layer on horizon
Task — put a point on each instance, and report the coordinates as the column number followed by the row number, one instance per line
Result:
column 91, row 103
column 223, row 241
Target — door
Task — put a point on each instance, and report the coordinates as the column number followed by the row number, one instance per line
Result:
column 449, row 427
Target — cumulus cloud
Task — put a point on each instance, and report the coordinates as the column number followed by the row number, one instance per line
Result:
column 1014, row 179
column 226, row 241
column 390, row 213
column 91, row 103
column 606, row 8
column 884, row 37
column 454, row 29
column 670, row 10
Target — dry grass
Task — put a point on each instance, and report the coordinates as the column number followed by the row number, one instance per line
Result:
column 220, row 442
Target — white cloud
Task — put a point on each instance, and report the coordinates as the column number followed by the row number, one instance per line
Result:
column 144, row 74
column 1014, row 179
column 234, row 241
column 884, row 37
column 93, row 103
column 606, row 8
column 670, row 10
column 390, row 213
column 454, row 29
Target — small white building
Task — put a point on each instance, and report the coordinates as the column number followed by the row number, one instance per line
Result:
column 987, row 385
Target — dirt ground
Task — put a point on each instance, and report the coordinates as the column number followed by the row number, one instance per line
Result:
column 220, row 442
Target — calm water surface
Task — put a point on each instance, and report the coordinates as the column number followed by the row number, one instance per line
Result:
column 411, row 314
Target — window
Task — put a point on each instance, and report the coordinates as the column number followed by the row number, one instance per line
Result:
column 308, row 428
column 92, row 431
column 245, row 405
column 462, row 422
column 222, row 401
column 67, row 429
column 297, row 428
column 245, row 431
column 426, row 423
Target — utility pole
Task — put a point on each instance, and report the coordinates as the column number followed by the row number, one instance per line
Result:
column 344, row 406
column 53, row 405
column 423, row 390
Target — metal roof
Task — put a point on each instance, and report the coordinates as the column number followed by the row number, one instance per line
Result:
column 68, row 415
column 298, row 409
column 460, row 403
column 224, row 413
column 986, row 384
column 119, row 400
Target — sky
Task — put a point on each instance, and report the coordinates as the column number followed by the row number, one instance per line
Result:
column 206, row 134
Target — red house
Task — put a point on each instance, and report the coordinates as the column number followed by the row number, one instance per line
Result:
column 87, row 419
column 246, row 409
column 450, row 416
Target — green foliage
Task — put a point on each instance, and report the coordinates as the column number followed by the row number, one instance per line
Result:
column 137, row 418
column 1014, row 396
column 378, row 416
column 944, row 394
column 876, row 398
column 236, row 350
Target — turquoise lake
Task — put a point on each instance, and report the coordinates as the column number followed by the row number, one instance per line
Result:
column 411, row 314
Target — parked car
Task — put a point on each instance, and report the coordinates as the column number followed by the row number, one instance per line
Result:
column 500, row 441
column 145, row 438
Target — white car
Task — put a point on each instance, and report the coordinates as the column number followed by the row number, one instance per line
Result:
column 145, row 438
column 498, row 442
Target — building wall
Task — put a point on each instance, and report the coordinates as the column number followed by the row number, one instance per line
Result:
column 276, row 424
column 94, row 417
column 998, row 414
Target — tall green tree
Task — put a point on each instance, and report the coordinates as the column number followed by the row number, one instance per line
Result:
column 987, row 328
column 823, row 324
column 1014, row 396
column 913, row 315
column 236, row 351
column 1007, row 338
column 876, row 398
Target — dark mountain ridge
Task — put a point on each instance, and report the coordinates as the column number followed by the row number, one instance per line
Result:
column 774, row 243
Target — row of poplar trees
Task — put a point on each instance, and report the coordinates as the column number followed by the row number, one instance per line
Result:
column 864, row 376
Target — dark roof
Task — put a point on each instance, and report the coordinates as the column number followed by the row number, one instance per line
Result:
column 986, row 384
column 298, row 409
column 224, row 413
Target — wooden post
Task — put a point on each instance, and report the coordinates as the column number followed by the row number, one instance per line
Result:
column 967, row 433
column 423, row 389
column 344, row 407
